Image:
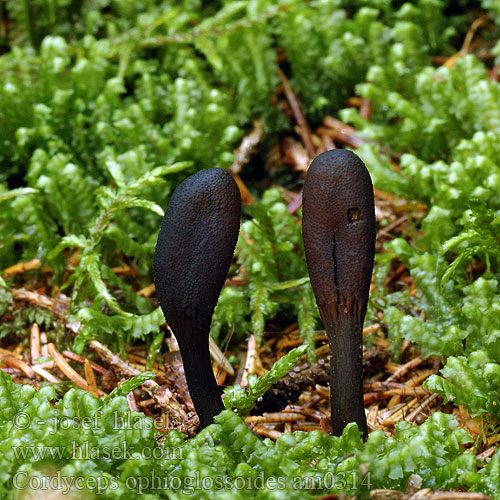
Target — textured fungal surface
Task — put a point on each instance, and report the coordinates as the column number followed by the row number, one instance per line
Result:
column 339, row 227
column 339, row 239
column 193, row 254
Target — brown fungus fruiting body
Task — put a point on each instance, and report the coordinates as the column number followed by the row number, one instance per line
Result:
column 193, row 255
column 339, row 240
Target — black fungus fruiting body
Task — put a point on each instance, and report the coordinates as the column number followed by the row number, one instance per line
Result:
column 339, row 239
column 193, row 255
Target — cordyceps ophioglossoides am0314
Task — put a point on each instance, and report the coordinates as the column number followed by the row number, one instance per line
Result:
column 339, row 239
column 193, row 255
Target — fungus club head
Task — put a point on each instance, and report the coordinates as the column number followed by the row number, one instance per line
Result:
column 193, row 255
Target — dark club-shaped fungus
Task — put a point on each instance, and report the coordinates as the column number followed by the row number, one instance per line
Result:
column 193, row 254
column 339, row 239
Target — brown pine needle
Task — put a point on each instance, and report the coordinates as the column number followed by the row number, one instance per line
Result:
column 66, row 368
column 413, row 415
column 90, row 378
column 451, row 61
column 6, row 352
column 19, row 364
column 35, row 344
column 132, row 404
column 126, row 270
column 269, row 433
column 21, row 267
column 43, row 343
column 404, row 369
column 46, row 375
column 250, row 361
column 147, row 291
column 246, row 196
column 275, row 417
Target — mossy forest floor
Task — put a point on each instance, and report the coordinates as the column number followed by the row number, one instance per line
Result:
column 104, row 110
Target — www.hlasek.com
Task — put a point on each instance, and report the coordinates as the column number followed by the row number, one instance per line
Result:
column 84, row 451
column 187, row 485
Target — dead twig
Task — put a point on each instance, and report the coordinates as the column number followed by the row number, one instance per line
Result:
column 162, row 395
column 413, row 415
column 248, row 147
column 58, row 306
column 304, row 129
column 393, row 225
column 82, row 360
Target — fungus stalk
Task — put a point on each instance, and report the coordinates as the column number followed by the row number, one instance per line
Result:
column 339, row 240
column 192, row 257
